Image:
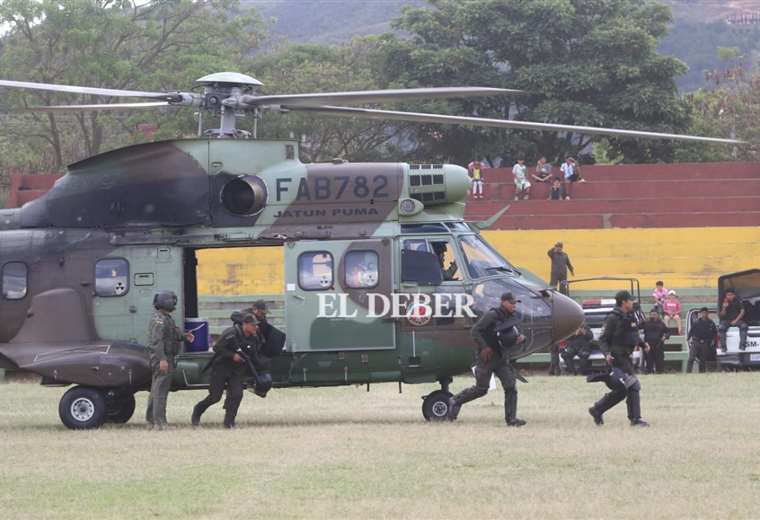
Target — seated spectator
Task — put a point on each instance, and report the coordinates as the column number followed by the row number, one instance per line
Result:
column 659, row 295
column 522, row 186
column 557, row 191
column 672, row 310
column 571, row 171
column 543, row 171
column 731, row 314
column 578, row 344
column 475, row 168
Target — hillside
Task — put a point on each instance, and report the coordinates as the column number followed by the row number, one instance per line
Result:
column 700, row 26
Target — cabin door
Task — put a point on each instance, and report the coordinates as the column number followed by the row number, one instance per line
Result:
column 331, row 291
column 125, row 283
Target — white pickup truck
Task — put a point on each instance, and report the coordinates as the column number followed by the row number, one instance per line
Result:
column 747, row 286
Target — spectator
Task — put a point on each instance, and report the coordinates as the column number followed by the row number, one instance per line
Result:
column 475, row 168
column 659, row 295
column 571, row 171
column 560, row 264
column 655, row 334
column 543, row 171
column 522, row 186
column 578, row 344
column 672, row 310
column 731, row 314
column 701, row 340
column 557, row 191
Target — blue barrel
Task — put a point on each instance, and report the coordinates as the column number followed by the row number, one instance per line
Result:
column 199, row 328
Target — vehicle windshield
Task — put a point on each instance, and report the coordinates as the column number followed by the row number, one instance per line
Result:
column 481, row 258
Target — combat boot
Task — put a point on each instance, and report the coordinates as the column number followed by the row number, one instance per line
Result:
column 596, row 415
column 453, row 411
column 195, row 419
column 641, row 423
column 516, row 422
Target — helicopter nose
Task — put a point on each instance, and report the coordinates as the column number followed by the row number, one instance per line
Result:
column 567, row 317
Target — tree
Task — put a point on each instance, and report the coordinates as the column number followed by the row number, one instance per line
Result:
column 123, row 44
column 583, row 62
column 324, row 68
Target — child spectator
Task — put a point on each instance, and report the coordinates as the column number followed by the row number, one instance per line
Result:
column 522, row 186
column 557, row 191
column 476, row 174
column 571, row 171
column 659, row 295
column 672, row 309
column 543, row 171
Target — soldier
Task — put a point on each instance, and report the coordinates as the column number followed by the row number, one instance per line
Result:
column 271, row 341
column 701, row 339
column 655, row 334
column 165, row 338
column 578, row 344
column 232, row 353
column 560, row 265
column 494, row 333
column 619, row 337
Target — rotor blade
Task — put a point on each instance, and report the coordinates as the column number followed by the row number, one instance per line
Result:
column 86, row 90
column 94, row 108
column 366, row 113
column 375, row 96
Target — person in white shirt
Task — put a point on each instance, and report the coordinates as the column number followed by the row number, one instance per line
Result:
column 522, row 186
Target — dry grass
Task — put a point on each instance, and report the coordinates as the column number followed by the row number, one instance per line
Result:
column 344, row 452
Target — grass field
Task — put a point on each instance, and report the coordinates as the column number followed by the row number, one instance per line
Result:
column 344, row 452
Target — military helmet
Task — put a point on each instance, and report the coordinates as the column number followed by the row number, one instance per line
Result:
column 165, row 300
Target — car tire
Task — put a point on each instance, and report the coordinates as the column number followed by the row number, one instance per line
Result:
column 82, row 408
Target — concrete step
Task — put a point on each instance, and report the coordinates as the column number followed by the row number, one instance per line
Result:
column 648, row 220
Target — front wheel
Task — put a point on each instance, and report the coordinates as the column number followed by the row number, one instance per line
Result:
column 435, row 406
column 82, row 408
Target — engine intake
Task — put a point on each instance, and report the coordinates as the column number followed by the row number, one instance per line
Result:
column 244, row 196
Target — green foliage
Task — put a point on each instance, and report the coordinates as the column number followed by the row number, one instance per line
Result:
column 731, row 110
column 162, row 45
column 590, row 62
column 357, row 65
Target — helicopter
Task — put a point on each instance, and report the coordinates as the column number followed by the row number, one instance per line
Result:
column 79, row 267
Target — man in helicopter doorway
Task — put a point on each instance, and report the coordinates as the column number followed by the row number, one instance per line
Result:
column 233, row 357
column 494, row 333
column 619, row 337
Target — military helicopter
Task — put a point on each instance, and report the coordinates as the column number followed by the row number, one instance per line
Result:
column 79, row 267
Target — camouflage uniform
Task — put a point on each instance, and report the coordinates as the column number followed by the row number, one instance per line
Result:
column 165, row 343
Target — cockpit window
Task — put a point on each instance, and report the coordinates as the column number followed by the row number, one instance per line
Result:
column 481, row 259
column 14, row 280
column 444, row 251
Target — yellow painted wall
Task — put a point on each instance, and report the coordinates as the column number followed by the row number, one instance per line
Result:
column 682, row 257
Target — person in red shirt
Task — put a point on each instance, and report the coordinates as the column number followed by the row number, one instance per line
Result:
column 671, row 307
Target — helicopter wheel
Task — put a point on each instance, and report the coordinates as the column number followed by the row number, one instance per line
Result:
column 435, row 406
column 119, row 408
column 82, row 408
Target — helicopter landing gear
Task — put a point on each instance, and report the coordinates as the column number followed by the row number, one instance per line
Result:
column 82, row 408
column 119, row 407
column 435, row 406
